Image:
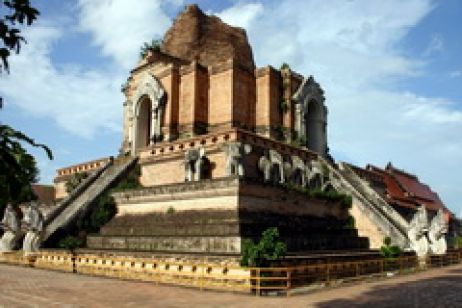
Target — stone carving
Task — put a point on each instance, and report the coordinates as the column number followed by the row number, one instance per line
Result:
column 272, row 166
column 12, row 230
column 34, row 220
column 235, row 152
column 417, row 230
column 196, row 165
column 437, row 232
column 315, row 176
column 298, row 171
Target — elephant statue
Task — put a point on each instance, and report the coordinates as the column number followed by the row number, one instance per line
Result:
column 34, row 220
column 299, row 171
column 272, row 166
column 196, row 165
column 12, row 230
column 235, row 152
column 315, row 176
column 436, row 234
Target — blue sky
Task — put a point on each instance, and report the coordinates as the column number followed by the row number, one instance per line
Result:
column 392, row 73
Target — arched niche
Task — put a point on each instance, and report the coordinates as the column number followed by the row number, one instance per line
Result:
column 143, row 122
column 314, row 125
column 149, row 104
column 311, row 115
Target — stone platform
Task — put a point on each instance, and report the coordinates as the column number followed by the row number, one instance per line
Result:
column 214, row 216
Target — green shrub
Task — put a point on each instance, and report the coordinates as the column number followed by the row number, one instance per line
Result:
column 70, row 242
column 269, row 248
column 346, row 200
column 131, row 181
column 388, row 251
column 459, row 241
column 147, row 46
column 350, row 223
column 75, row 180
column 285, row 66
column 283, row 106
column 171, row 210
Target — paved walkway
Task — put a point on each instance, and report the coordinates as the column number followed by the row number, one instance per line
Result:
column 27, row 287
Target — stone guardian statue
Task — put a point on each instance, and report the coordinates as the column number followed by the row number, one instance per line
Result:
column 12, row 230
column 34, row 220
column 272, row 166
column 418, row 228
column 196, row 165
column 436, row 234
column 235, row 152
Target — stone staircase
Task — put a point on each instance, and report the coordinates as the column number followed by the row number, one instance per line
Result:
column 371, row 205
column 368, row 192
column 83, row 196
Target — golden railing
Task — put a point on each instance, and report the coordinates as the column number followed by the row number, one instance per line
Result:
column 203, row 274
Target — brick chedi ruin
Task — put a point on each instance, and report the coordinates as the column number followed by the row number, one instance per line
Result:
column 225, row 151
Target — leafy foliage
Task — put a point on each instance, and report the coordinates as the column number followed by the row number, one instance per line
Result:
column 103, row 210
column 18, row 169
column 269, row 248
column 459, row 241
column 388, row 251
column 147, row 46
column 285, row 66
column 331, row 195
column 350, row 223
column 131, row 181
column 18, row 12
column 283, row 106
column 70, row 242
column 75, row 180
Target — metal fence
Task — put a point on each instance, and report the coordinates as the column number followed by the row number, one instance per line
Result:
column 202, row 274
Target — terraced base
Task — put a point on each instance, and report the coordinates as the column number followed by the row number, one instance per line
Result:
column 216, row 218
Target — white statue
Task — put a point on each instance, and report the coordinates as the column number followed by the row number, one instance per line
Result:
column 299, row 171
column 235, row 152
column 416, row 233
column 196, row 164
column 12, row 230
column 34, row 220
column 436, row 234
column 272, row 166
column 315, row 176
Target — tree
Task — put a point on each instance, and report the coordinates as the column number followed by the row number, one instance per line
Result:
column 269, row 248
column 17, row 168
column 18, row 12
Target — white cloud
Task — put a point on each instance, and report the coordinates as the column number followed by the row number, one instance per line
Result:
column 353, row 49
column 79, row 101
column 120, row 27
column 242, row 14
column 83, row 101
column 436, row 45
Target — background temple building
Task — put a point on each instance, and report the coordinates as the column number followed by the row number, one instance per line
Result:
column 227, row 150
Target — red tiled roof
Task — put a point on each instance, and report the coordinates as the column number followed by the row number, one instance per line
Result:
column 44, row 193
column 405, row 189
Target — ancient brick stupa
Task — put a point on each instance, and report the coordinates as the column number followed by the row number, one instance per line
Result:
column 226, row 150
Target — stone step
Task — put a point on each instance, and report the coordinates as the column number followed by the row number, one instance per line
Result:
column 83, row 198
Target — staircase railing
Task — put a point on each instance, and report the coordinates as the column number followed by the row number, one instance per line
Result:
column 102, row 185
column 82, row 186
column 383, row 222
column 381, row 204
